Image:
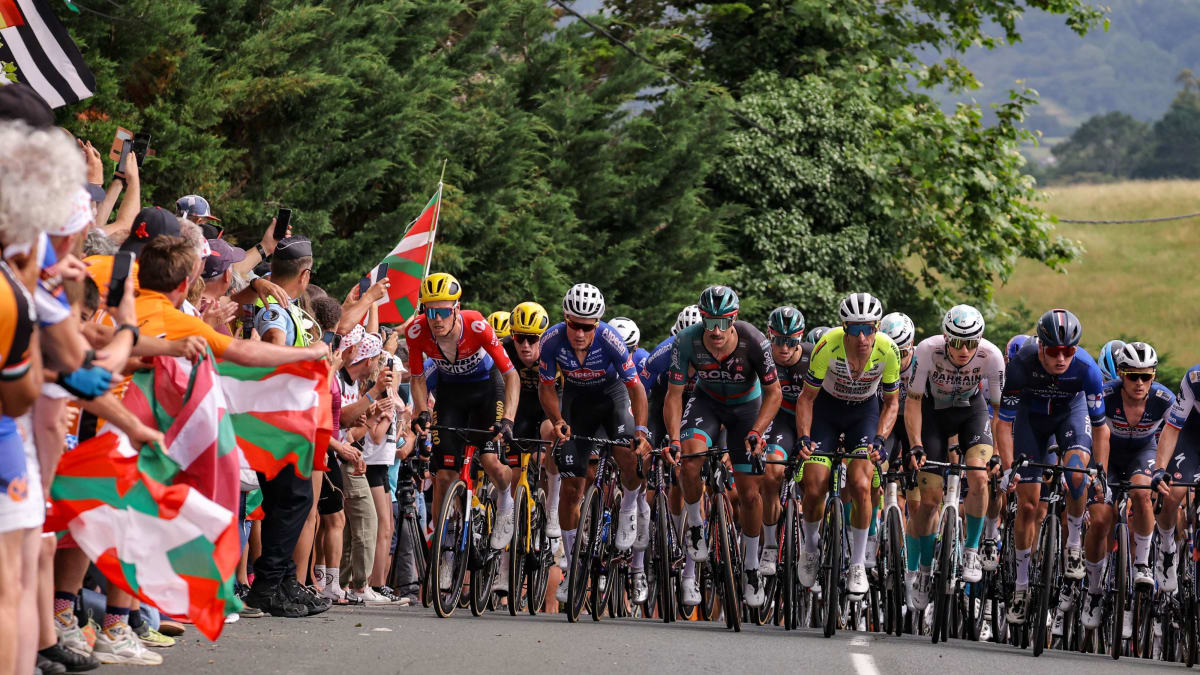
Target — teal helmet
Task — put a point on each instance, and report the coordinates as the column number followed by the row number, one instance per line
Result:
column 814, row 336
column 718, row 301
column 786, row 321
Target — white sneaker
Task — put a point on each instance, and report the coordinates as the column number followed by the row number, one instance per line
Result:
column 872, row 551
column 502, row 529
column 919, row 599
column 627, row 527
column 640, row 588
column 752, row 592
column 1166, row 570
column 369, row 595
column 1093, row 610
column 553, row 530
column 972, row 568
column 1142, row 576
column 643, row 532
column 334, row 595
column 564, row 587
column 1073, row 568
column 806, row 572
column 697, row 547
column 766, row 560
column 119, row 644
column 856, row 581
column 70, row 635
column 500, row 584
column 446, row 570
column 691, row 592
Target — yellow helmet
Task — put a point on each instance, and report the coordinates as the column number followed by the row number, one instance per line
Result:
column 530, row 318
column 500, row 323
column 440, row 286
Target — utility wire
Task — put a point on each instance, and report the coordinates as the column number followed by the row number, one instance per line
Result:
column 1124, row 222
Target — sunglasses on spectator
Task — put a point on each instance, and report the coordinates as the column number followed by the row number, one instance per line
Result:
column 525, row 338
column 1060, row 352
column 717, row 323
column 860, row 329
column 439, row 312
column 582, row 327
column 962, row 343
column 1138, row 377
column 785, row 341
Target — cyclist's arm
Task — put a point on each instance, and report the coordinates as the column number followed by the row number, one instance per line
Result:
column 1166, row 446
column 1100, row 436
column 548, row 395
column 638, row 401
column 1004, row 441
column 887, row 416
column 772, row 398
column 419, row 393
column 512, row 393
column 912, row 418
column 804, row 409
column 673, row 410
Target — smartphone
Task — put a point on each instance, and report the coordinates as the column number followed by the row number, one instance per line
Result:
column 122, row 264
column 282, row 220
column 363, row 284
column 381, row 272
column 126, row 148
column 119, row 138
column 141, row 146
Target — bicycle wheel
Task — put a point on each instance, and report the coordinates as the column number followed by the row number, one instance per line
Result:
column 791, row 546
column 943, row 579
column 604, row 566
column 1120, row 588
column 541, row 557
column 831, row 565
column 1048, row 573
column 663, row 566
column 484, row 578
column 586, row 541
column 1191, row 625
column 894, row 578
column 518, row 551
column 724, row 565
column 449, row 539
column 1143, row 622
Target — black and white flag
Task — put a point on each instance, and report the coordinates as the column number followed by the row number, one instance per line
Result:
column 35, row 41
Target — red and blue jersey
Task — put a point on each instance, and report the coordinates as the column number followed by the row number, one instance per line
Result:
column 607, row 359
column 478, row 350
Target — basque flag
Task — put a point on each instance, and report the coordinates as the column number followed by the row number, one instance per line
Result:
column 33, row 40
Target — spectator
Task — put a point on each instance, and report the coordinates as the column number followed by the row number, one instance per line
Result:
column 195, row 208
column 218, row 275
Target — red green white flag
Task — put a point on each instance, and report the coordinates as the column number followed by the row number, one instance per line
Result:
column 155, row 538
column 408, row 262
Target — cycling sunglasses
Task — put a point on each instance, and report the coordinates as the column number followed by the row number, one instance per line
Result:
column 1059, row 352
column 860, row 329
column 525, row 338
column 962, row 343
column 584, row 327
column 785, row 341
column 439, row 312
column 1138, row 377
column 717, row 323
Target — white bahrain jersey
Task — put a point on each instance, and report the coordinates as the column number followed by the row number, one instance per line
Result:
column 950, row 385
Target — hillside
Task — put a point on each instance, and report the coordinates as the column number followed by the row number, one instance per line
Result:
column 1131, row 276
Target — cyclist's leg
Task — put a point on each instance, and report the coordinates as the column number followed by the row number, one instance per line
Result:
column 1142, row 516
column 975, row 438
column 781, row 438
column 488, row 408
column 827, row 411
column 738, row 421
column 929, row 485
column 572, row 463
column 861, row 476
column 1184, row 466
column 446, row 459
column 618, row 424
column 1074, row 433
column 700, row 428
column 1030, row 435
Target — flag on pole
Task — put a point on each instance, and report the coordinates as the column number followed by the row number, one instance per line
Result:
column 33, row 40
column 281, row 415
column 166, row 544
column 408, row 263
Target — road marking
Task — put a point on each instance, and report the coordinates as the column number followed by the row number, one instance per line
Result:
column 863, row 663
column 859, row 641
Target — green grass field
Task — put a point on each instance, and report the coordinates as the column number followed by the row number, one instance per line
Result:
column 1139, row 279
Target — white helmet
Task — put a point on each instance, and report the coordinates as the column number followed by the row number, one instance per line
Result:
column 963, row 321
column 1137, row 355
column 900, row 328
column 628, row 330
column 687, row 316
column 860, row 308
column 584, row 301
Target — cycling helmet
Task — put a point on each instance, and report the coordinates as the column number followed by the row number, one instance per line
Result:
column 1014, row 345
column 628, row 330
column 718, row 301
column 900, row 328
column 440, row 286
column 687, row 316
column 501, row 323
column 1059, row 328
column 1109, row 354
column 530, row 318
column 814, row 336
column 1137, row 356
column 964, row 322
column 860, row 308
column 584, row 301
column 786, row 321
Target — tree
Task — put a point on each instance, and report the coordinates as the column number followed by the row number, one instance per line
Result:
column 1108, row 145
column 1174, row 150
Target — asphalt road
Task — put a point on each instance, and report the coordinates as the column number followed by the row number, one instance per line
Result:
column 407, row 640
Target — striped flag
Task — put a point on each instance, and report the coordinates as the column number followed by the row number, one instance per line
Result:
column 33, row 40
column 166, row 544
column 281, row 415
column 408, row 261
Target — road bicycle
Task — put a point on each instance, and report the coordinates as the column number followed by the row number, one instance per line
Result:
column 724, row 562
column 948, row 551
column 531, row 551
column 665, row 558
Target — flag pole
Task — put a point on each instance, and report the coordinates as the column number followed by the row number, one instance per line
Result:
column 436, row 214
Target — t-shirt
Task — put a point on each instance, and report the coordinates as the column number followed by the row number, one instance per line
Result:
column 830, row 370
column 100, row 268
column 17, row 320
column 157, row 317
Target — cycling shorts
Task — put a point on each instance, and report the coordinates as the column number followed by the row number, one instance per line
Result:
column 703, row 418
column 781, row 435
column 832, row 418
column 1185, row 463
column 1033, row 434
column 599, row 413
column 473, row 405
column 971, row 424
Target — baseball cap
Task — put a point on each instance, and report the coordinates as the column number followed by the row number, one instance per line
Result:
column 151, row 222
column 95, row 192
column 81, row 216
column 223, row 257
column 19, row 101
column 195, row 206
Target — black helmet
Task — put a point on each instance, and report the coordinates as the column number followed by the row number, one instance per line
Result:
column 718, row 301
column 1059, row 328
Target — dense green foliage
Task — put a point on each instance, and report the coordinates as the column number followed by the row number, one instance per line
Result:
column 571, row 160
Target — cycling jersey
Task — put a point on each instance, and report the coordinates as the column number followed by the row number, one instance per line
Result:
column 1028, row 385
column 1129, row 436
column 607, row 359
column 528, row 420
column 950, row 385
column 882, row 369
column 1188, row 401
column 732, row 380
column 639, row 359
column 1185, row 415
column 791, row 379
column 653, row 372
column 478, row 349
